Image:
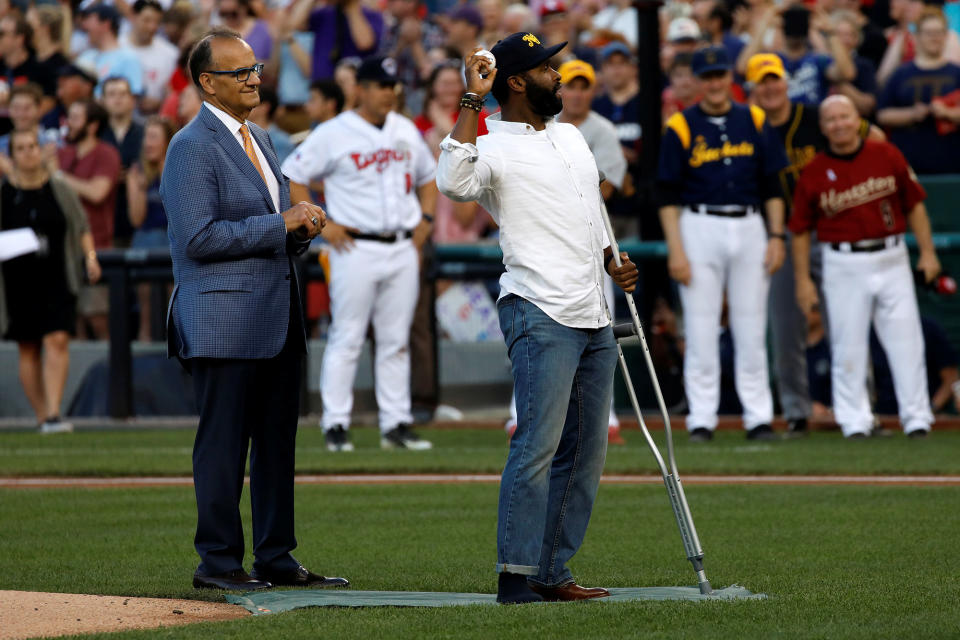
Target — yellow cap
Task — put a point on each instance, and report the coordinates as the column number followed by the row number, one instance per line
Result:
column 763, row 64
column 577, row 69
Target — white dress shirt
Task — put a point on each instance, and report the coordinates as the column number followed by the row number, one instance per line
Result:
column 234, row 126
column 542, row 189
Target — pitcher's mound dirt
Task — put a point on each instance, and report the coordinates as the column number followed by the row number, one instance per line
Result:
column 28, row 614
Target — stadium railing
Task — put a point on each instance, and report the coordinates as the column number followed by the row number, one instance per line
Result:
column 123, row 268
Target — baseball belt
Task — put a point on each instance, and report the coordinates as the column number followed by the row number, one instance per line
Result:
column 395, row 236
column 724, row 211
column 878, row 244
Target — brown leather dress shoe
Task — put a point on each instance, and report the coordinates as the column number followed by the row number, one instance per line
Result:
column 569, row 591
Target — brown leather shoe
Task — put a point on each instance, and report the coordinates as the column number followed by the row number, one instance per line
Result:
column 569, row 591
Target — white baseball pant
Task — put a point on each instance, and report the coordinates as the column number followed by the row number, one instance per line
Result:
column 373, row 282
column 877, row 287
column 725, row 254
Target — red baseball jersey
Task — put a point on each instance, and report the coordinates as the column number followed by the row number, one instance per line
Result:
column 858, row 197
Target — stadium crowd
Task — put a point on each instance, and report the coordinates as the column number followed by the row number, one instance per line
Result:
column 105, row 85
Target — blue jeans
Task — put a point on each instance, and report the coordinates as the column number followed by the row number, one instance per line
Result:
column 563, row 381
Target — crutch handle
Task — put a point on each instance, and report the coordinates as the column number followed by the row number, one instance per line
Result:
column 624, row 330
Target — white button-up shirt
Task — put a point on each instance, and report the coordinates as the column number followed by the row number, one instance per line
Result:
column 273, row 186
column 542, row 188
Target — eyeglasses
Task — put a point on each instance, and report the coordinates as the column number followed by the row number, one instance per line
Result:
column 242, row 74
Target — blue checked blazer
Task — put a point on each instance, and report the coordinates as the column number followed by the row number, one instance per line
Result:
column 230, row 249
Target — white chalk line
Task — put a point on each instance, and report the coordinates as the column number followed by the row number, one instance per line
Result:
column 437, row 478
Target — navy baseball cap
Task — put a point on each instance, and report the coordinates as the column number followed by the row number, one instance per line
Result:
column 710, row 59
column 378, row 69
column 71, row 70
column 521, row 52
column 103, row 11
column 613, row 48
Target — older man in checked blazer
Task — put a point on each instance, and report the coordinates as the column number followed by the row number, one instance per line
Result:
column 235, row 318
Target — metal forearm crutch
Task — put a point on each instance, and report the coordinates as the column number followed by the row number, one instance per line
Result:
column 671, row 478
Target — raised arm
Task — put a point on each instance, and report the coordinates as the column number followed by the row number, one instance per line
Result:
column 757, row 35
column 461, row 174
column 842, row 68
column 465, row 129
column 298, row 17
column 361, row 31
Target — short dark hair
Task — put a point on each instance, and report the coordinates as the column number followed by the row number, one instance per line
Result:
column 722, row 13
column 95, row 113
column 681, row 60
column 111, row 16
column 30, row 89
column 500, row 90
column 201, row 56
column 113, row 79
column 140, row 5
column 329, row 90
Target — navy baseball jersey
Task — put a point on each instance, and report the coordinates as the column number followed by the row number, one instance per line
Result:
column 731, row 159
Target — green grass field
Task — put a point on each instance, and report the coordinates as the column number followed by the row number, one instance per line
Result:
column 836, row 561
column 167, row 452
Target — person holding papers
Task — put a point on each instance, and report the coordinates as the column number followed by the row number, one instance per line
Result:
column 38, row 290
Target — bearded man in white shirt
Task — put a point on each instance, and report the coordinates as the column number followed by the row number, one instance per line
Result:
column 539, row 181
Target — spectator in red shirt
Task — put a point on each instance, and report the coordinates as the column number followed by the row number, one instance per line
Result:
column 91, row 167
column 441, row 104
column 901, row 44
column 859, row 196
column 683, row 91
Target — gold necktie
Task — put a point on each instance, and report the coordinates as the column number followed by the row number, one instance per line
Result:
column 251, row 152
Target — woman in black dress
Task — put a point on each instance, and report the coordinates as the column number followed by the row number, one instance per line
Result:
column 38, row 291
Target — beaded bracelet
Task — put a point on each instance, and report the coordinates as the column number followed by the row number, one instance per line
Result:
column 471, row 101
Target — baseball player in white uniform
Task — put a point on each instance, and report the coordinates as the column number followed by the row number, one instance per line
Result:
column 718, row 166
column 860, row 196
column 378, row 178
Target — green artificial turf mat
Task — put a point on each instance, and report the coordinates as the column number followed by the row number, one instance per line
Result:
column 266, row 602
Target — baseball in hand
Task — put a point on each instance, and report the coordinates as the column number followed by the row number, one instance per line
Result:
column 489, row 57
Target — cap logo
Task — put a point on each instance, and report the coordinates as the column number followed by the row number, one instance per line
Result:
column 530, row 39
column 389, row 65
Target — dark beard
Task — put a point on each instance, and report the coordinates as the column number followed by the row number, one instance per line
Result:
column 544, row 101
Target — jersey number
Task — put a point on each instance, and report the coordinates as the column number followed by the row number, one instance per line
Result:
column 887, row 212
